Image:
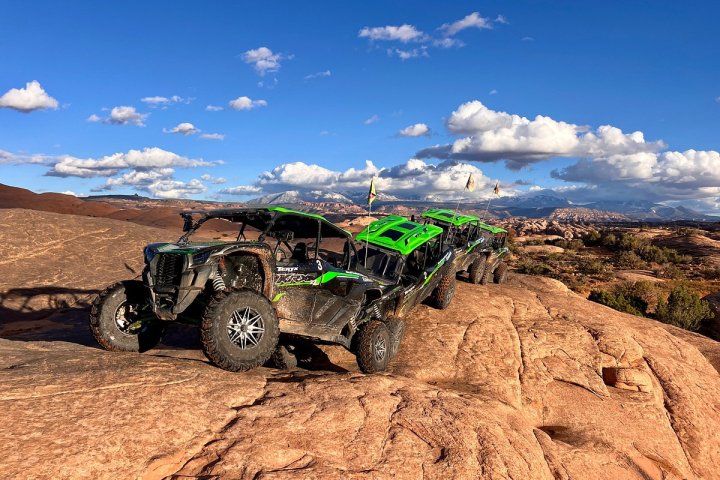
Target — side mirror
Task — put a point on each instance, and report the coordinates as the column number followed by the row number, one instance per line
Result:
column 187, row 224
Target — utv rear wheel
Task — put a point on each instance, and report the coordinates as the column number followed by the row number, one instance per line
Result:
column 488, row 275
column 239, row 330
column 444, row 292
column 500, row 273
column 282, row 358
column 396, row 327
column 373, row 347
column 121, row 319
column 476, row 270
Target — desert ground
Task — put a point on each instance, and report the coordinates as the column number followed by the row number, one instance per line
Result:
column 523, row 380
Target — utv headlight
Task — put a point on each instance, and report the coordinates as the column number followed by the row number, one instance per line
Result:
column 149, row 254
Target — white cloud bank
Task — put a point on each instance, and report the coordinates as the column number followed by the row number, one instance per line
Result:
column 406, row 34
column 32, row 97
column 412, row 179
column 610, row 164
column 184, row 128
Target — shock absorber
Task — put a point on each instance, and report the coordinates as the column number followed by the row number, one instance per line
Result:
column 218, row 283
column 375, row 312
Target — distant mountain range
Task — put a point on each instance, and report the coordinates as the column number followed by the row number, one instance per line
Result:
column 540, row 205
column 531, row 206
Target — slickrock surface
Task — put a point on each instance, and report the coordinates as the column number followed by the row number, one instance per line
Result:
column 525, row 380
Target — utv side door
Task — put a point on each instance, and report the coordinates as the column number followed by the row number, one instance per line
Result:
column 339, row 292
column 297, row 276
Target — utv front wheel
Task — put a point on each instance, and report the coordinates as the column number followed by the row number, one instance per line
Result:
column 373, row 347
column 444, row 292
column 500, row 273
column 476, row 270
column 239, row 330
column 121, row 319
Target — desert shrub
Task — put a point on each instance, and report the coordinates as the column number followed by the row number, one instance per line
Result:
column 609, row 240
column 652, row 253
column 591, row 266
column 630, row 260
column 684, row 309
column 534, row 241
column 687, row 231
column 710, row 273
column 532, row 267
column 628, row 297
column 632, row 243
column 593, row 238
column 569, row 244
column 671, row 271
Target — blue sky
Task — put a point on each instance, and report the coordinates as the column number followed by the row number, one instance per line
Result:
column 652, row 67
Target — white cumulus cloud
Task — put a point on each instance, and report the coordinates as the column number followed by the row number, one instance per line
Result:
column 32, row 97
column 214, row 108
column 123, row 115
column 184, row 128
column 474, row 20
column 264, row 60
column 414, row 179
column 403, row 33
column 109, row 165
column 493, row 135
column 417, row 130
column 246, row 103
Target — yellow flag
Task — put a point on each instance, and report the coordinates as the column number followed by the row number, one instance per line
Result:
column 470, row 185
column 371, row 194
column 497, row 188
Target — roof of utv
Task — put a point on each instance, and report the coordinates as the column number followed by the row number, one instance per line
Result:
column 260, row 217
column 491, row 229
column 398, row 233
column 449, row 216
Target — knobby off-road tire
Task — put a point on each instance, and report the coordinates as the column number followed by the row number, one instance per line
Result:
column 443, row 294
column 488, row 274
column 500, row 273
column 282, row 358
column 476, row 270
column 239, row 330
column 373, row 347
column 396, row 326
column 121, row 319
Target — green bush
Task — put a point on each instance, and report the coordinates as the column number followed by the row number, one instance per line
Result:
column 630, row 260
column 591, row 266
column 711, row 273
column 652, row 253
column 684, row 309
column 569, row 244
column 531, row 267
column 628, row 297
column 670, row 271
column 593, row 238
column 609, row 240
column 632, row 243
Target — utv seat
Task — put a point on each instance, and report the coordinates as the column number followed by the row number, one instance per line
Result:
column 300, row 252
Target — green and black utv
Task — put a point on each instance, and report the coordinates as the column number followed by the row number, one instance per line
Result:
column 479, row 248
column 287, row 272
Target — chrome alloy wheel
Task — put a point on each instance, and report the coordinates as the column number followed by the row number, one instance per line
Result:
column 245, row 328
column 380, row 348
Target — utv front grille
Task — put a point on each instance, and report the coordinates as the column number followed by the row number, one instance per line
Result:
column 169, row 269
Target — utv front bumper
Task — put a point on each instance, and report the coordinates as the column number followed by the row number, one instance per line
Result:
column 174, row 284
